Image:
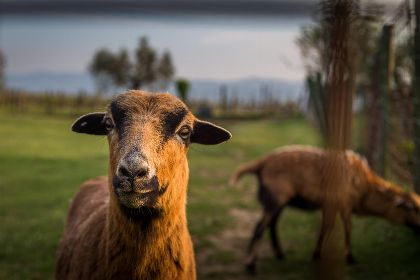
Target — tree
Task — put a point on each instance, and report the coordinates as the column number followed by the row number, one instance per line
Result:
column 110, row 69
column 123, row 69
column 116, row 70
column 145, row 65
column 315, row 48
column 165, row 69
column 313, row 43
column 2, row 66
column 182, row 87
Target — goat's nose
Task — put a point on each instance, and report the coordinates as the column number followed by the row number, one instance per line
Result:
column 131, row 173
column 133, row 167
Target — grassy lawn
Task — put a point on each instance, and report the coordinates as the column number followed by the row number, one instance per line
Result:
column 42, row 164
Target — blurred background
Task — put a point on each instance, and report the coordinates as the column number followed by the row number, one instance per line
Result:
column 256, row 67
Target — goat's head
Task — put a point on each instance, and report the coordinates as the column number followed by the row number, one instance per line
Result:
column 149, row 135
column 408, row 205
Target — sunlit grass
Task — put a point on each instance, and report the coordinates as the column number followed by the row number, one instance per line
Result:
column 42, row 164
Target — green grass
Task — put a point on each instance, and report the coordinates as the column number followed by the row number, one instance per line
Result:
column 42, row 164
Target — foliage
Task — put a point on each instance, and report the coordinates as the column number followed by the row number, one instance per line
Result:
column 61, row 104
column 21, row 102
column 165, row 69
column 318, row 51
column 182, row 87
column 145, row 72
column 390, row 103
column 313, row 42
column 313, row 47
column 317, row 102
column 109, row 69
column 115, row 70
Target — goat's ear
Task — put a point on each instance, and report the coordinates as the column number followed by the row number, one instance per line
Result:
column 91, row 123
column 209, row 134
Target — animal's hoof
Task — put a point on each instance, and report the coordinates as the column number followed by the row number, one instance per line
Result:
column 280, row 256
column 350, row 259
column 251, row 268
column 316, row 256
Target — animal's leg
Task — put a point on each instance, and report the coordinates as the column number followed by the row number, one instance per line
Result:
column 275, row 242
column 346, row 218
column 317, row 253
column 252, row 252
column 327, row 223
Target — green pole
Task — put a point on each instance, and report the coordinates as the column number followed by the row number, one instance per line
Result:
column 416, row 100
column 385, row 78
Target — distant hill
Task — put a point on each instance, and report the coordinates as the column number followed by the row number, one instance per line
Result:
column 63, row 82
column 248, row 89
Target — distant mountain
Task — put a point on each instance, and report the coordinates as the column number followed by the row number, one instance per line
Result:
column 56, row 82
column 249, row 89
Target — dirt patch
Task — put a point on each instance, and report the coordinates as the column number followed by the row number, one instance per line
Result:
column 227, row 251
column 234, row 237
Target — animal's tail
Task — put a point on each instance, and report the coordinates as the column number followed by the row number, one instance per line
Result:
column 250, row 167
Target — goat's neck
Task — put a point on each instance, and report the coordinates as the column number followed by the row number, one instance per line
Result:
column 379, row 199
column 147, row 226
column 157, row 237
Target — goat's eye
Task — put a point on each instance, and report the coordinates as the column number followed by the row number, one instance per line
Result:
column 109, row 125
column 184, row 132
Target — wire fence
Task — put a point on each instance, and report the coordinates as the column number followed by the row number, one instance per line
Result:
column 390, row 137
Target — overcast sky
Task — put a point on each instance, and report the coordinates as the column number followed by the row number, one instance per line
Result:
column 203, row 47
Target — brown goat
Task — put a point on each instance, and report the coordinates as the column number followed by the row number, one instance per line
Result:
column 132, row 225
column 292, row 176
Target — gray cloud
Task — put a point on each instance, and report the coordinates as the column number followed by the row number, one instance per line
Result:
column 220, row 7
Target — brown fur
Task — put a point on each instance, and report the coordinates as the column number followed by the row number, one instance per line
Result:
column 131, row 235
column 292, row 176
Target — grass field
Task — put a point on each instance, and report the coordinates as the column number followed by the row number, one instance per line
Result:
column 42, row 163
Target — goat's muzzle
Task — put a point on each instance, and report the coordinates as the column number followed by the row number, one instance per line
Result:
column 136, row 193
column 133, row 166
column 135, row 185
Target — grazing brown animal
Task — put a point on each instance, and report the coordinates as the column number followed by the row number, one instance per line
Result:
column 292, row 176
column 132, row 225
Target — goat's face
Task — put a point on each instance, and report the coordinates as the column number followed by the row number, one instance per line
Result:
column 410, row 206
column 149, row 136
